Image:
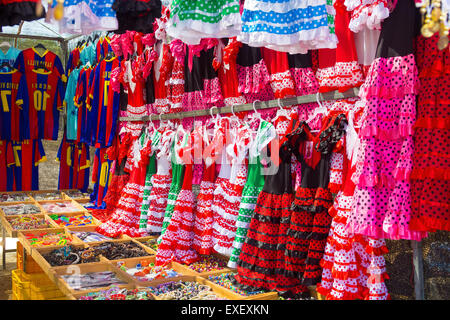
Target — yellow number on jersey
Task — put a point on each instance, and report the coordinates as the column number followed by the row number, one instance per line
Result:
column 5, row 94
column 39, row 102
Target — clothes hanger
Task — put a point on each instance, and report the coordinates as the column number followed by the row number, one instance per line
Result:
column 281, row 112
column 255, row 116
column 320, row 110
column 234, row 117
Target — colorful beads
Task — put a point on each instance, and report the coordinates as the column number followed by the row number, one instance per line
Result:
column 116, row 293
column 152, row 243
column 74, row 221
column 207, row 264
column 58, row 207
column 18, row 209
column 28, row 222
column 48, row 239
column 146, row 271
column 226, row 280
column 183, row 290
column 14, row 197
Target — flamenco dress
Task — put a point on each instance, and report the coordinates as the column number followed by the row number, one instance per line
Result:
column 382, row 196
column 253, row 77
column 151, row 170
column 293, row 26
column 175, row 86
column 261, row 262
column 190, row 21
column 310, row 221
column 176, row 243
column 430, row 189
column 339, row 68
column 368, row 13
column 204, row 213
column 161, row 182
column 227, row 196
column 125, row 219
column 136, row 15
column 353, row 265
column 177, row 181
column 253, row 187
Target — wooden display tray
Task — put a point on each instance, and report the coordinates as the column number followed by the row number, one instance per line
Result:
column 26, row 193
column 64, row 191
column 13, row 232
column 87, row 229
column 218, row 290
column 132, row 262
column 272, row 295
column 38, row 255
column 76, row 204
column 146, row 249
column 95, row 222
column 86, row 268
column 7, row 204
column 206, row 274
column 76, row 296
column 33, row 193
column 27, row 244
column 142, row 240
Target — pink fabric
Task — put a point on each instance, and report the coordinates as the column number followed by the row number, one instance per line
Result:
column 253, row 79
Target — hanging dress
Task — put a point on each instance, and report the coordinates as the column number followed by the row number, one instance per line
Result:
column 290, row 26
column 261, row 262
column 191, row 21
column 310, row 221
column 430, row 189
column 253, row 187
column 230, row 196
column 151, row 170
column 161, row 182
column 177, row 181
column 353, row 266
column 176, row 243
column 125, row 219
column 382, row 177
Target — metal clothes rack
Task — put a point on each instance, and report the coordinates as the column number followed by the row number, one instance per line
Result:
column 334, row 95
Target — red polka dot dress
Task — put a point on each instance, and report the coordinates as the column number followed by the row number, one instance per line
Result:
column 353, row 266
column 339, row 68
column 310, row 221
column 125, row 219
column 430, row 190
column 175, row 87
column 261, row 262
column 227, row 196
column 176, row 242
column 161, row 182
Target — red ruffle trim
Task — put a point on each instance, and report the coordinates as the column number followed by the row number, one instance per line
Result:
column 428, row 224
column 433, row 123
column 376, row 251
column 334, row 187
column 324, row 89
column 361, row 294
column 430, row 173
column 436, row 70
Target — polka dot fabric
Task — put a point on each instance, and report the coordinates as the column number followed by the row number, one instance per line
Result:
column 430, row 191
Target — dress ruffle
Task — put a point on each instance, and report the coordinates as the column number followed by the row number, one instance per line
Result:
column 253, row 79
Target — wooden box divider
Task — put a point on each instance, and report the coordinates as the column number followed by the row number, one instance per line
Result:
column 86, row 268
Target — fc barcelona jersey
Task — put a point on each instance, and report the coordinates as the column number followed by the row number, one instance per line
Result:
column 14, row 122
column 6, row 166
column 45, row 80
column 27, row 156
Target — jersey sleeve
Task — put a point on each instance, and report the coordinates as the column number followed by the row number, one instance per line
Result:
column 113, row 115
column 20, row 63
column 59, row 67
column 10, row 159
column 84, row 157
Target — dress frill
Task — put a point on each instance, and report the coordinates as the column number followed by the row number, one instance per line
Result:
column 353, row 266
